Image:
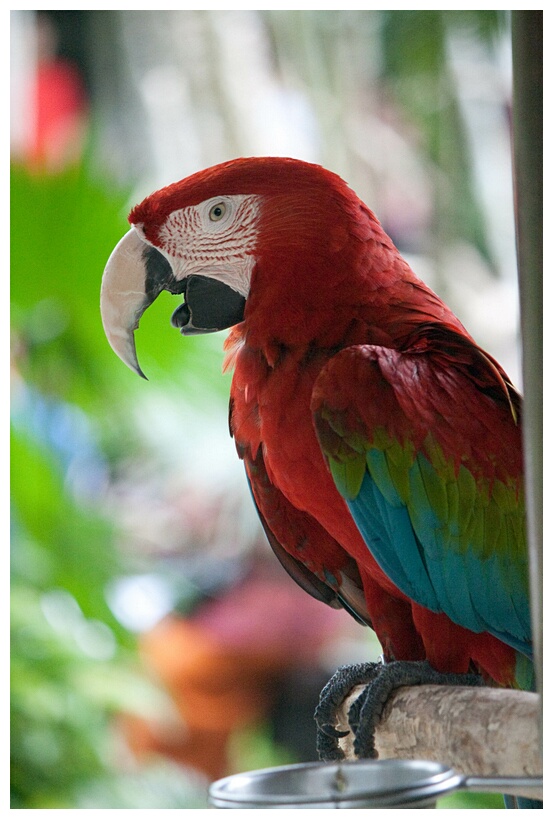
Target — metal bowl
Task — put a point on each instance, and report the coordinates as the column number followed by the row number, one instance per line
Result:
column 387, row 783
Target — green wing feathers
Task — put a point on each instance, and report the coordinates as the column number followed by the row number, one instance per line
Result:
column 427, row 456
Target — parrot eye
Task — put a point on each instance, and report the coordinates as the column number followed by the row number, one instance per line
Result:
column 217, row 211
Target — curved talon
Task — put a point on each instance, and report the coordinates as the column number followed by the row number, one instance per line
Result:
column 331, row 731
column 328, row 748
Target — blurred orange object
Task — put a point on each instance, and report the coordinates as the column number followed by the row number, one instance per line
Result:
column 215, row 687
column 223, row 667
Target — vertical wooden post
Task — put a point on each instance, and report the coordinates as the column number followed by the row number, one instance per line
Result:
column 527, row 40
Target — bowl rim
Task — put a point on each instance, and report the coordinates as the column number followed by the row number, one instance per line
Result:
column 435, row 779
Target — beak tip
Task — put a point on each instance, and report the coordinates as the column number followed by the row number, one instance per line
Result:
column 123, row 345
column 131, row 361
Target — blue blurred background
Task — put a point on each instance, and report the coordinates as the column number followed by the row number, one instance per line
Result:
column 156, row 643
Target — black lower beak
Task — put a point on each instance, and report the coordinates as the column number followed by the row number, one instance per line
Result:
column 209, row 306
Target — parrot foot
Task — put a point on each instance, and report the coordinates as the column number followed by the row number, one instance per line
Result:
column 333, row 694
column 380, row 680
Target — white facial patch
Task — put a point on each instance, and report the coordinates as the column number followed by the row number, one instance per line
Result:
column 216, row 238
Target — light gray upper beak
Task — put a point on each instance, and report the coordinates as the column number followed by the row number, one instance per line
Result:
column 123, row 297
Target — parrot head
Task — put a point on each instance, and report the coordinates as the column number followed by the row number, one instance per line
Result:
column 208, row 237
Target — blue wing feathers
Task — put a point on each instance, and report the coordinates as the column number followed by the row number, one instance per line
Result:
column 385, row 527
column 424, row 556
column 440, row 503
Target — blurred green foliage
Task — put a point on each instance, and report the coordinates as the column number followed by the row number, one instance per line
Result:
column 73, row 665
column 63, row 229
column 476, row 801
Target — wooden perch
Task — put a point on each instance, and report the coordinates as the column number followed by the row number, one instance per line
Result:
column 477, row 731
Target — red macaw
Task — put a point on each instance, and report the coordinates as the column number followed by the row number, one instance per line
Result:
column 381, row 443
